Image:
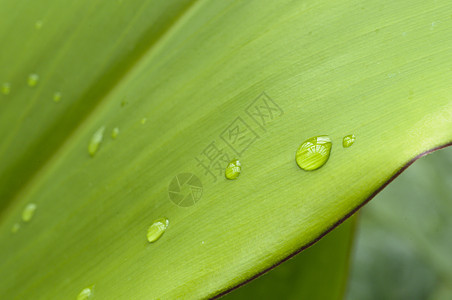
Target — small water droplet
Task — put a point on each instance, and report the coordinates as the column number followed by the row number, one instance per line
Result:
column 6, row 88
column 313, row 153
column 38, row 24
column 57, row 97
column 95, row 141
column 157, row 228
column 85, row 294
column 15, row 228
column 348, row 140
column 33, row 80
column 28, row 212
column 143, row 121
column 115, row 132
column 233, row 169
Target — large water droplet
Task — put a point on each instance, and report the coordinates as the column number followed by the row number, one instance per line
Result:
column 57, row 97
column 95, row 141
column 28, row 212
column 115, row 132
column 313, row 153
column 33, row 80
column 233, row 169
column 348, row 140
column 6, row 88
column 85, row 294
column 157, row 228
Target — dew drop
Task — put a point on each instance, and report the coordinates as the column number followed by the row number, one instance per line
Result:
column 6, row 88
column 33, row 80
column 115, row 132
column 233, row 169
column 143, row 121
column 348, row 140
column 313, row 153
column 38, row 24
column 15, row 228
column 28, row 212
column 156, row 230
column 95, row 141
column 57, row 97
column 85, row 294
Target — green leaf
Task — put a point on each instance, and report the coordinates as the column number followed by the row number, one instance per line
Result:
column 319, row 272
column 178, row 78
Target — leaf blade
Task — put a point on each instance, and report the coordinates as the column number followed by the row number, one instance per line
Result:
column 95, row 212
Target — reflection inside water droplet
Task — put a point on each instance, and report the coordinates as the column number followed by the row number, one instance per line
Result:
column 348, row 140
column 313, row 153
column 233, row 169
column 156, row 230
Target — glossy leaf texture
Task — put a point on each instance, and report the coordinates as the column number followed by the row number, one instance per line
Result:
column 190, row 85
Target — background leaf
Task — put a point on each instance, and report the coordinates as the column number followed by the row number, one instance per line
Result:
column 403, row 243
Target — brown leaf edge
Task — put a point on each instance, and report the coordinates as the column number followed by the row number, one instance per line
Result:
column 220, row 293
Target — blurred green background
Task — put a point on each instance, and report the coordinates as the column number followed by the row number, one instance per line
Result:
column 400, row 248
